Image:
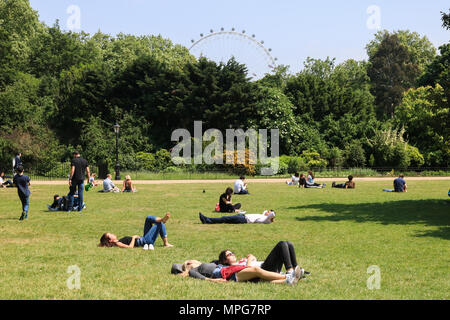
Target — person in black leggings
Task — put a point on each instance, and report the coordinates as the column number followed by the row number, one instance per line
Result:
column 282, row 254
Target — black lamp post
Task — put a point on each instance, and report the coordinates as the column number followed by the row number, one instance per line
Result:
column 116, row 130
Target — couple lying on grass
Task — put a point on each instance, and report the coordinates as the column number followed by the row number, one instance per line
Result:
column 228, row 268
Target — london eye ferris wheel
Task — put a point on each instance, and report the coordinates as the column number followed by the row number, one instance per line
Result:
column 221, row 46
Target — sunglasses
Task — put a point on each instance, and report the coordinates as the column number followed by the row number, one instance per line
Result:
column 229, row 254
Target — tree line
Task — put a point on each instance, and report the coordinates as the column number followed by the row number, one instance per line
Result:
column 61, row 90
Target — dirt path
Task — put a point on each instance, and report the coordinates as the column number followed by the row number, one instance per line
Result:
column 143, row 182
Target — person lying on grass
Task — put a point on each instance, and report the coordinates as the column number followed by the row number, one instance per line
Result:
column 243, row 270
column 153, row 227
column 267, row 217
column 282, row 254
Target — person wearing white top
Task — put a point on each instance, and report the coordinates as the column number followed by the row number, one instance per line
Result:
column 3, row 183
column 295, row 180
column 240, row 187
column 267, row 217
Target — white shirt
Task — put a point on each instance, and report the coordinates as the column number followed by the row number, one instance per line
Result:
column 1, row 180
column 239, row 186
column 260, row 218
column 108, row 184
column 295, row 180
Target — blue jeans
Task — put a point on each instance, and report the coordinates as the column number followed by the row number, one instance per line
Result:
column 151, row 231
column 25, row 203
column 236, row 219
column 80, row 185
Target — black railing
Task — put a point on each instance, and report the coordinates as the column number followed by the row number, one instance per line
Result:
column 61, row 171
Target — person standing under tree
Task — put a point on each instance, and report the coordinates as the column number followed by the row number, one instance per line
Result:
column 17, row 162
column 78, row 171
column 22, row 182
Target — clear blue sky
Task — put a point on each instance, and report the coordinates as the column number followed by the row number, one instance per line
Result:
column 294, row 29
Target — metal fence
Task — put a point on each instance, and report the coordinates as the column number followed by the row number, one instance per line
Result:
column 61, row 171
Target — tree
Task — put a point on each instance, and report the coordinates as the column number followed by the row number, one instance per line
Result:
column 446, row 20
column 392, row 71
column 275, row 111
column 420, row 49
column 439, row 71
column 19, row 26
column 425, row 115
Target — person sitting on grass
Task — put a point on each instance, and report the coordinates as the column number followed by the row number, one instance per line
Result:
column 399, row 185
column 153, row 227
column 310, row 182
column 92, row 180
column 266, row 217
column 225, row 204
column 295, row 180
column 3, row 183
column 240, row 187
column 350, row 184
column 108, row 185
column 128, row 185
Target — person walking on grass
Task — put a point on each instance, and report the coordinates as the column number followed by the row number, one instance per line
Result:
column 79, row 170
column 21, row 182
column 153, row 227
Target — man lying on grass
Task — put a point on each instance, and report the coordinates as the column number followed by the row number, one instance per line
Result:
column 267, row 217
column 153, row 226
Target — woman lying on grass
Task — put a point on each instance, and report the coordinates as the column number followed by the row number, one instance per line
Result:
column 247, row 269
column 153, row 226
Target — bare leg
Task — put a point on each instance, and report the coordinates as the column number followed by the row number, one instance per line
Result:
column 255, row 272
column 166, row 243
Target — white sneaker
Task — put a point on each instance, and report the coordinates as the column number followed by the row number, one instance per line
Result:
column 290, row 279
column 151, row 247
column 145, row 246
column 298, row 274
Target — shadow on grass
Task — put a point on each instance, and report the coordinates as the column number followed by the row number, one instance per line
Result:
column 431, row 213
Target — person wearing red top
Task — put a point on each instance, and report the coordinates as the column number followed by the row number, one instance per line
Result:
column 244, row 270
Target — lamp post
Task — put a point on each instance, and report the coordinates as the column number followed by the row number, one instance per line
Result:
column 116, row 130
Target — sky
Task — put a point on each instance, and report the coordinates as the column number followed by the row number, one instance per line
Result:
column 293, row 29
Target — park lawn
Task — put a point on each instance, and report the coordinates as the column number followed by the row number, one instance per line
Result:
column 337, row 234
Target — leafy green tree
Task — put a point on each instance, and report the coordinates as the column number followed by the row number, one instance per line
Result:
column 275, row 111
column 446, row 20
column 438, row 71
column 84, row 91
column 19, row 26
column 392, row 71
column 420, row 49
column 355, row 154
column 425, row 115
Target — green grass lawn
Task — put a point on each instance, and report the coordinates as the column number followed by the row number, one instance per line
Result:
column 337, row 234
